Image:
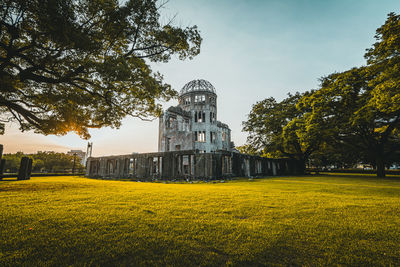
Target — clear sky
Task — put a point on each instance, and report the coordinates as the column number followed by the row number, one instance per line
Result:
column 251, row 50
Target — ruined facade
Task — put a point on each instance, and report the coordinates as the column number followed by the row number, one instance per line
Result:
column 189, row 165
column 193, row 124
column 192, row 145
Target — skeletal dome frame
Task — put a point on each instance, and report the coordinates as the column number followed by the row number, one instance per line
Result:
column 198, row 85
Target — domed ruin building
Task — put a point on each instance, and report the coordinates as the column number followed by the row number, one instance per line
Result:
column 192, row 144
column 193, row 124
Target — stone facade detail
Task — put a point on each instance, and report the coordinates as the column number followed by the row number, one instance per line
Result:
column 193, row 124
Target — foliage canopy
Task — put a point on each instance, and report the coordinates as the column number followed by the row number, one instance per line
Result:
column 280, row 129
column 70, row 65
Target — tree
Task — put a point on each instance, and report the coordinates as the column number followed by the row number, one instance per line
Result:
column 37, row 165
column 248, row 149
column 278, row 129
column 13, row 161
column 70, row 65
column 53, row 161
column 343, row 105
column 362, row 105
column 384, row 66
column 355, row 113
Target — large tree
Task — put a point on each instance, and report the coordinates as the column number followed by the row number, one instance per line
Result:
column 361, row 106
column 343, row 105
column 70, row 65
column 355, row 113
column 279, row 129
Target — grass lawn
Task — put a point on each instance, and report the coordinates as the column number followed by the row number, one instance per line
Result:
column 310, row 220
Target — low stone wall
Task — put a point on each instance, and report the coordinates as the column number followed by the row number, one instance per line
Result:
column 189, row 165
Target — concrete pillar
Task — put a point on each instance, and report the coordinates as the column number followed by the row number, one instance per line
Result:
column 2, row 163
column 274, row 172
column 2, row 168
column 160, row 169
column 25, row 169
column 29, row 169
column 247, row 167
column 88, row 163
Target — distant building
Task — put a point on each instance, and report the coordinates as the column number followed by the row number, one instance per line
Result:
column 193, row 124
column 79, row 154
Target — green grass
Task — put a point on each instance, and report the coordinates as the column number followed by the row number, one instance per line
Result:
column 310, row 220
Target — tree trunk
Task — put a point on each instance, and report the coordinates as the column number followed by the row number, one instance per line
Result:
column 380, row 167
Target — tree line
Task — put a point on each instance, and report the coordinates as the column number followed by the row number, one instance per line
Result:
column 353, row 117
column 47, row 161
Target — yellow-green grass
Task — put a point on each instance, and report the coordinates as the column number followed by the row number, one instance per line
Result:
column 310, row 220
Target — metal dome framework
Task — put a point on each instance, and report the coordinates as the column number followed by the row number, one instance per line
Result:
column 198, row 85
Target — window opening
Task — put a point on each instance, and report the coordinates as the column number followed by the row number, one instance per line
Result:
column 200, row 116
column 155, row 166
column 224, row 137
column 200, row 98
column 185, row 164
column 187, row 100
column 132, row 166
column 201, row 137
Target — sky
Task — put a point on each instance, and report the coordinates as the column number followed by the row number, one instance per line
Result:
column 251, row 50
